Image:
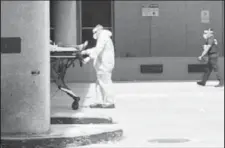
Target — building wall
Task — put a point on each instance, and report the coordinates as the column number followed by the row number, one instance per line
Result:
column 174, row 68
column 194, row 27
column 132, row 32
column 173, row 39
column 176, row 34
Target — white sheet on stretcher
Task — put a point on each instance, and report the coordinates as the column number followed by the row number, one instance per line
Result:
column 55, row 48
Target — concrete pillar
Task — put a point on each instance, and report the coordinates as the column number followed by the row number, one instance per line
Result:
column 25, row 96
column 64, row 20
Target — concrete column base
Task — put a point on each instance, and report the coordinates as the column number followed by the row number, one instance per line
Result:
column 66, row 136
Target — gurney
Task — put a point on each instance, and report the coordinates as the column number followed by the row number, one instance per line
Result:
column 63, row 58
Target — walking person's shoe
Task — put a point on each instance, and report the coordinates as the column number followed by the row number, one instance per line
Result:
column 108, row 105
column 221, row 84
column 103, row 105
column 201, row 83
column 96, row 105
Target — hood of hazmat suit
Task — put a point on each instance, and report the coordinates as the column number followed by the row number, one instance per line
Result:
column 103, row 53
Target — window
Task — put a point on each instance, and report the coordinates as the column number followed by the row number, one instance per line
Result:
column 92, row 14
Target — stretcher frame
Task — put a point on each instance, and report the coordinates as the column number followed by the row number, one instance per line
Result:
column 60, row 61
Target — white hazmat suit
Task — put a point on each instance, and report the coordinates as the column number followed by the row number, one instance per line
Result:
column 103, row 56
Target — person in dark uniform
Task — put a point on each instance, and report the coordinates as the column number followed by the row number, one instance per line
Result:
column 211, row 50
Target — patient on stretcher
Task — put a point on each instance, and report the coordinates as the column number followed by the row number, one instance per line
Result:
column 56, row 48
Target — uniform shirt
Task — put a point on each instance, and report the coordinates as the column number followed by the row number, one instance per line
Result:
column 214, row 48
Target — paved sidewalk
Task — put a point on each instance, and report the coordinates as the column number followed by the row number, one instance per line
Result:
column 69, row 128
column 165, row 111
column 146, row 112
column 61, row 112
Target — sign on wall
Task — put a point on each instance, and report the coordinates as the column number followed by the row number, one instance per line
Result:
column 10, row 45
column 150, row 10
column 205, row 18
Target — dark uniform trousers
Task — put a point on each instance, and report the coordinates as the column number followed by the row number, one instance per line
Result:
column 212, row 65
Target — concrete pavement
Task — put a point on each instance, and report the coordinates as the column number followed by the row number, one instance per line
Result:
column 150, row 114
column 69, row 128
column 167, row 110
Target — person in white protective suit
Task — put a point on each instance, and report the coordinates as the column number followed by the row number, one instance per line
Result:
column 103, row 57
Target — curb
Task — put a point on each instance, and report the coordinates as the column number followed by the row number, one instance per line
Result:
column 82, row 120
column 62, row 142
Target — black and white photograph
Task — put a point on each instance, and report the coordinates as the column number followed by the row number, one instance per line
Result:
column 112, row 74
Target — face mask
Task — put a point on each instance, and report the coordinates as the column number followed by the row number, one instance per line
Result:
column 205, row 36
column 94, row 36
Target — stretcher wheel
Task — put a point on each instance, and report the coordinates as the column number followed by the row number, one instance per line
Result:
column 75, row 105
